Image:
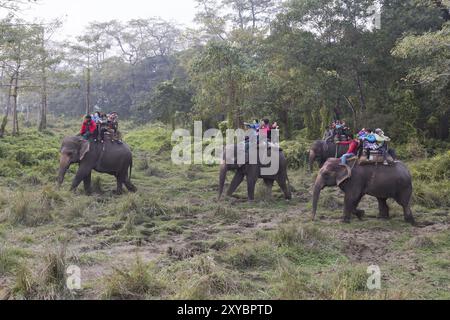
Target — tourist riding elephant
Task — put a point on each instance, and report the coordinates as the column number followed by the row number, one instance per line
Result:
column 108, row 157
column 322, row 150
column 382, row 182
column 253, row 172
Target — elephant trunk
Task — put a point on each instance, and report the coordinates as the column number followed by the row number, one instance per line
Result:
column 222, row 178
column 318, row 187
column 64, row 165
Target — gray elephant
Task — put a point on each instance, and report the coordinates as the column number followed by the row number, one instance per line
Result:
column 253, row 172
column 322, row 150
column 108, row 157
column 382, row 182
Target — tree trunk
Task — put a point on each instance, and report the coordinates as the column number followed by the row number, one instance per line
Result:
column 15, row 130
column 355, row 115
column 43, row 118
column 8, row 109
column 43, row 115
column 362, row 98
column 88, row 90
column 286, row 123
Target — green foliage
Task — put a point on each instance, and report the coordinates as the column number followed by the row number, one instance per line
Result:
column 431, row 181
column 296, row 152
column 434, row 169
column 154, row 138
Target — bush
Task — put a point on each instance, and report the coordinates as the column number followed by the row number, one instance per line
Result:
column 47, row 284
column 296, row 152
column 30, row 209
column 136, row 283
column 431, row 181
column 258, row 256
column 432, row 194
column 412, row 150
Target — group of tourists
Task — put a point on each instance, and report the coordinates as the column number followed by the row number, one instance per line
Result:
column 99, row 124
column 337, row 131
column 263, row 127
column 368, row 141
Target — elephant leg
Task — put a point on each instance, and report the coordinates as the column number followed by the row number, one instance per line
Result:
column 130, row 186
column 79, row 177
column 405, row 201
column 269, row 186
column 119, row 189
column 383, row 208
column 251, row 185
column 235, row 183
column 87, row 184
column 125, row 179
column 351, row 202
column 284, row 187
column 359, row 213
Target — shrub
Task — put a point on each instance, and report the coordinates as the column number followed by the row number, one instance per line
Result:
column 432, row 194
column 292, row 235
column 8, row 260
column 251, row 256
column 138, row 282
column 30, row 209
column 296, row 152
column 412, row 150
column 47, row 284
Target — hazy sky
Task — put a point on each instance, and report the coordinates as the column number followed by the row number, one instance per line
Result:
column 77, row 14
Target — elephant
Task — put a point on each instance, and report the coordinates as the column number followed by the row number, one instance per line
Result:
column 322, row 150
column 108, row 157
column 379, row 181
column 253, row 172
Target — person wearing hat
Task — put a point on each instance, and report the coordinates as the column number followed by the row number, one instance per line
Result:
column 88, row 128
column 382, row 142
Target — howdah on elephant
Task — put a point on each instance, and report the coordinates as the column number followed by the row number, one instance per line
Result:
column 252, row 172
column 322, row 150
column 108, row 157
column 381, row 182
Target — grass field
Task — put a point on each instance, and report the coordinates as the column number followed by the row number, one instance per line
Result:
column 174, row 240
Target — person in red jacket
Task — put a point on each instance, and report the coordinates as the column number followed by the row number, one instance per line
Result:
column 88, row 128
column 352, row 150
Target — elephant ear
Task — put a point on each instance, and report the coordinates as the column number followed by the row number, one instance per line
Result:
column 85, row 146
column 345, row 173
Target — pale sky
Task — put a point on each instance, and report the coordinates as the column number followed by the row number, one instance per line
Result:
column 76, row 14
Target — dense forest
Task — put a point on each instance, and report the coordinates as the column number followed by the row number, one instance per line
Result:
column 377, row 63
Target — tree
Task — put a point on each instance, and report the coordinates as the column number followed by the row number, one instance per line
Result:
column 47, row 57
column 168, row 101
column 430, row 57
column 19, row 42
